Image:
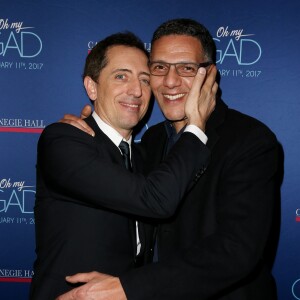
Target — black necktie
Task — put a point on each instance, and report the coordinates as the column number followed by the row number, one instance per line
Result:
column 124, row 147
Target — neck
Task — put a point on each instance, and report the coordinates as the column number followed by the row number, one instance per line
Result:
column 126, row 134
column 178, row 125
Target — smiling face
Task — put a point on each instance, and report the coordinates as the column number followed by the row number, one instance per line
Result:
column 122, row 94
column 171, row 90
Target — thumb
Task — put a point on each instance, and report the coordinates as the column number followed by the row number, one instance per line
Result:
column 86, row 111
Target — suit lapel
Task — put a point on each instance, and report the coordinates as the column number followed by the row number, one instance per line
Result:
column 113, row 154
column 105, row 145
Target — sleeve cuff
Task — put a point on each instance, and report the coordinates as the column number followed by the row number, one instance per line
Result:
column 198, row 132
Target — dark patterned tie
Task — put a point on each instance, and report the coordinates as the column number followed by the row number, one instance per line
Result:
column 124, row 147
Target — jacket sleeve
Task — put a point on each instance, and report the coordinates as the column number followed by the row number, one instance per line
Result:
column 72, row 166
column 232, row 253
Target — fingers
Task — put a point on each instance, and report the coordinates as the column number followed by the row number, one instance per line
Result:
column 211, row 76
column 192, row 103
column 210, row 88
column 82, row 291
column 86, row 111
column 202, row 97
column 86, row 277
column 77, row 122
column 109, row 289
column 71, row 117
column 198, row 82
column 66, row 296
column 80, row 277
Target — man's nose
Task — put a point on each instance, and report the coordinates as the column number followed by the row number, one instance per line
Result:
column 172, row 79
column 135, row 88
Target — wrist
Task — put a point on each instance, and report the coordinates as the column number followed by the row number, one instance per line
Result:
column 197, row 123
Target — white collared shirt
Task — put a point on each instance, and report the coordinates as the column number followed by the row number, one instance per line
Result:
column 112, row 133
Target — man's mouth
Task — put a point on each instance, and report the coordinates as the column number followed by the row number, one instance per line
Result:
column 173, row 97
column 130, row 105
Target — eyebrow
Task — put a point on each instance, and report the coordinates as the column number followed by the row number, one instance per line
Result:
column 129, row 71
column 179, row 62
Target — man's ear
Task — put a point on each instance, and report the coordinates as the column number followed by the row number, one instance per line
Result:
column 90, row 87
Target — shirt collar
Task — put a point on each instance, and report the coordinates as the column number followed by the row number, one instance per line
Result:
column 113, row 134
column 171, row 132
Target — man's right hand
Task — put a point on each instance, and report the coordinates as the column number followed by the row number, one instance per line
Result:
column 98, row 286
column 79, row 122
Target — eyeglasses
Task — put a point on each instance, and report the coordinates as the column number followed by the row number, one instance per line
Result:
column 183, row 69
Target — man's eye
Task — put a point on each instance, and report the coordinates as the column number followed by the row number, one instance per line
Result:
column 120, row 76
column 159, row 67
column 145, row 81
column 188, row 68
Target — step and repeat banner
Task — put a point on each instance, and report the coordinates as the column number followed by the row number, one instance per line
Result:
column 43, row 45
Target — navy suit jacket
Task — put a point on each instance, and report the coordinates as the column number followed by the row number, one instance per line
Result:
column 214, row 246
column 86, row 198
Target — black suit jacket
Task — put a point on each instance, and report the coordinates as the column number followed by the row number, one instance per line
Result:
column 213, row 247
column 81, row 183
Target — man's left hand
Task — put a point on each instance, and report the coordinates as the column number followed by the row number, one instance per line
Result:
column 98, row 287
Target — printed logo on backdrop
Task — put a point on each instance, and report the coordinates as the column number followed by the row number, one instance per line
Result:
column 15, row 275
column 237, row 47
column 296, row 289
column 16, row 209
column 20, row 46
column 16, row 202
column 21, row 125
column 92, row 44
column 298, row 215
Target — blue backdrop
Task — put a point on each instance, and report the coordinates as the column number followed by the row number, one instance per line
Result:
column 43, row 45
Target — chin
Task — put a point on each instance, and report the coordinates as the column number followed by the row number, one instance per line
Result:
column 174, row 117
column 130, row 125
